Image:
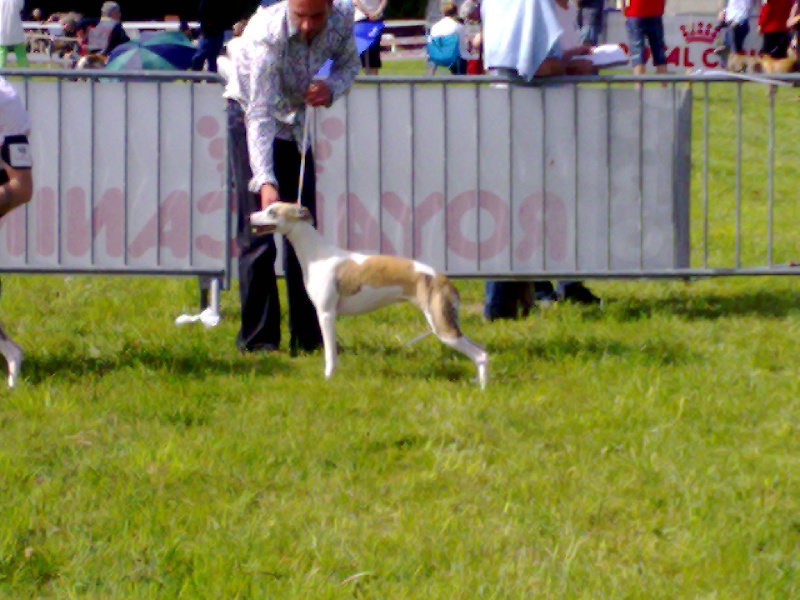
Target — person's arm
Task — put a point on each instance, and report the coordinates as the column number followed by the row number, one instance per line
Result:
column 17, row 191
column 358, row 5
column 577, row 51
column 16, row 156
column 257, row 81
column 551, row 67
column 346, row 62
column 793, row 16
column 378, row 14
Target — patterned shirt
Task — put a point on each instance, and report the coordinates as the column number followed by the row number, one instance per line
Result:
column 274, row 66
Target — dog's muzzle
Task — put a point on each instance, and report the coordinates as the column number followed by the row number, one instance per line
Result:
column 262, row 229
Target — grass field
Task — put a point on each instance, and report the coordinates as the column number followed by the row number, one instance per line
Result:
column 645, row 449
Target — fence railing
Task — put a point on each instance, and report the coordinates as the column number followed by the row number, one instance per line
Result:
column 130, row 176
column 587, row 177
column 672, row 176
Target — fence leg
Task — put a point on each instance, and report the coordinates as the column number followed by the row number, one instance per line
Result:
column 215, row 285
column 209, row 303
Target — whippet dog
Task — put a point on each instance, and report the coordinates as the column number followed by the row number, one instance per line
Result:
column 341, row 282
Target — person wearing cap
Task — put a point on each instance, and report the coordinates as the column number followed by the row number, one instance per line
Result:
column 12, row 33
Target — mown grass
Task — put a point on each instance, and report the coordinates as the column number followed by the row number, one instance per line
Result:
column 645, row 449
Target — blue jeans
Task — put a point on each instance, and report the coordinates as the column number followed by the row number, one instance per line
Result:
column 208, row 49
column 590, row 22
column 651, row 29
column 736, row 34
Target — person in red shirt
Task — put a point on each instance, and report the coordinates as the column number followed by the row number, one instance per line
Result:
column 644, row 22
column 772, row 24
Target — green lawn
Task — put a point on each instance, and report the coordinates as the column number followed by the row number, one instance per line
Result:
column 646, row 449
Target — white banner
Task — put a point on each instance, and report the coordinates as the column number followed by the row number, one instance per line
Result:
column 129, row 177
column 492, row 179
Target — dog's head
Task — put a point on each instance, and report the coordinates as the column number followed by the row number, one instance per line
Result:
column 279, row 217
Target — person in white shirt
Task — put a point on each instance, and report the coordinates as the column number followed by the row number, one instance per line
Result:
column 736, row 17
column 370, row 10
column 273, row 80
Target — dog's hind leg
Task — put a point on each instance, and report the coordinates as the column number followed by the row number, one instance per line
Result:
column 475, row 352
column 442, row 315
column 13, row 355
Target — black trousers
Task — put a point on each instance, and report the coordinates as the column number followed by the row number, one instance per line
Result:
column 258, row 289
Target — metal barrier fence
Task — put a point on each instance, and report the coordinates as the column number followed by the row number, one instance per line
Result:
column 580, row 177
column 130, row 176
column 574, row 178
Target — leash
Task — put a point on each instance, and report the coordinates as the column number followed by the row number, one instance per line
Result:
column 309, row 110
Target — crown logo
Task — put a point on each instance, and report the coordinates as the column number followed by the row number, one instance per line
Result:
column 700, row 32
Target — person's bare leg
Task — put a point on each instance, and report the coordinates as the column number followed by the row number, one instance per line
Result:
column 661, row 70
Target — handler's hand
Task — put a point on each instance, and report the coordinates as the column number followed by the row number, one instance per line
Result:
column 318, row 94
column 269, row 195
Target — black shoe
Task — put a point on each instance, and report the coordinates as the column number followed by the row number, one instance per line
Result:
column 577, row 292
column 266, row 348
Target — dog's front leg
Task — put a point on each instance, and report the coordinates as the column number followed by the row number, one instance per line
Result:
column 327, row 325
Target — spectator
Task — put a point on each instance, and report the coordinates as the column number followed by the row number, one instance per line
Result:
column 736, row 17
column 644, row 22
column 470, row 13
column 574, row 47
column 16, row 182
column 12, row 33
column 590, row 20
column 273, row 82
column 66, row 41
column 449, row 24
column 16, row 186
column 36, row 15
column 773, row 24
column 371, row 10
column 105, row 34
column 524, row 39
column 216, row 17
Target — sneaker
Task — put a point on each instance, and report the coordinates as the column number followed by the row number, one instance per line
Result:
column 577, row 292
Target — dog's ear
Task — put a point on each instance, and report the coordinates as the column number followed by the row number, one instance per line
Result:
column 303, row 214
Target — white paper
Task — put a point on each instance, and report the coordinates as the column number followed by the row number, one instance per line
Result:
column 607, row 55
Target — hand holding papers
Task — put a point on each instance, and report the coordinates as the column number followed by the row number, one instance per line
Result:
column 607, row 55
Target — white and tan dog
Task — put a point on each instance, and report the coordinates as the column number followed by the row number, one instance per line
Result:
column 348, row 283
